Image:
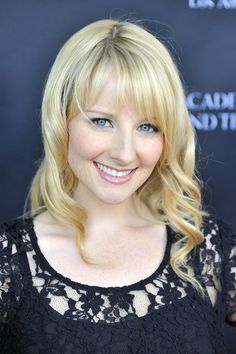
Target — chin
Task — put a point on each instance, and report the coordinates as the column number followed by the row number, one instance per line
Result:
column 114, row 199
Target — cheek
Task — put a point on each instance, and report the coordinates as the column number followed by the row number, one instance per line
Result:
column 83, row 145
column 150, row 153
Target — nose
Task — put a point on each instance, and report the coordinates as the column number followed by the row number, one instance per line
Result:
column 122, row 149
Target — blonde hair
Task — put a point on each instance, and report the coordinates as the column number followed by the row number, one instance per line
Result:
column 144, row 68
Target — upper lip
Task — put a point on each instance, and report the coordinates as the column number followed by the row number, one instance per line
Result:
column 114, row 168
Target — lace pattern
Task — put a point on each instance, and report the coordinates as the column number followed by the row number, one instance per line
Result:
column 160, row 307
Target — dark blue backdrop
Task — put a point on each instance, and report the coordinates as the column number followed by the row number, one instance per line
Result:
column 201, row 35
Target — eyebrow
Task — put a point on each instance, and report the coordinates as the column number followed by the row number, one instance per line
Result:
column 101, row 112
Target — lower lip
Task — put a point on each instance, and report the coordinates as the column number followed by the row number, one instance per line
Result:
column 113, row 179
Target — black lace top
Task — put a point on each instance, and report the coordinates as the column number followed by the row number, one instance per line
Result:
column 44, row 312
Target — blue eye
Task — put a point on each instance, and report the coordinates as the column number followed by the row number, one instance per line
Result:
column 101, row 122
column 148, row 128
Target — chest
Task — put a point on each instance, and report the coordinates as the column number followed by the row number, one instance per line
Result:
column 125, row 260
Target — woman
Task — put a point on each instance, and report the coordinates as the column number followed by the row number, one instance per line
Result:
column 116, row 254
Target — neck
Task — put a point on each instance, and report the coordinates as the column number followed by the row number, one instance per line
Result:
column 112, row 216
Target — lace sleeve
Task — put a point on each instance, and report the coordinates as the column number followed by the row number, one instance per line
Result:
column 228, row 237
column 8, row 308
column 5, row 273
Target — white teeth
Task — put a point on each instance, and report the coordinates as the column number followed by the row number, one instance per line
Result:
column 112, row 172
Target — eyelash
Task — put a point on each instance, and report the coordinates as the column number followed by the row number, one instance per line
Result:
column 96, row 120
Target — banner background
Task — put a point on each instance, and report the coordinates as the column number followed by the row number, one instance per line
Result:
column 200, row 35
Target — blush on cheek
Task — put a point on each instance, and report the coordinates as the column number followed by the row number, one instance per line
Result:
column 85, row 146
column 151, row 154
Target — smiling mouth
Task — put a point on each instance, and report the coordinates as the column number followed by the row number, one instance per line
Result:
column 113, row 172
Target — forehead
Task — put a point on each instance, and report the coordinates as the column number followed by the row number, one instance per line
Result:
column 114, row 95
column 110, row 97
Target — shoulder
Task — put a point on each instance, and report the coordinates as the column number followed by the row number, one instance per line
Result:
column 46, row 227
column 213, row 225
column 13, row 225
column 12, row 232
column 8, row 228
column 219, row 235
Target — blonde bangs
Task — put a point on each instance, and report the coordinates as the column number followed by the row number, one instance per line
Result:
column 137, row 81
